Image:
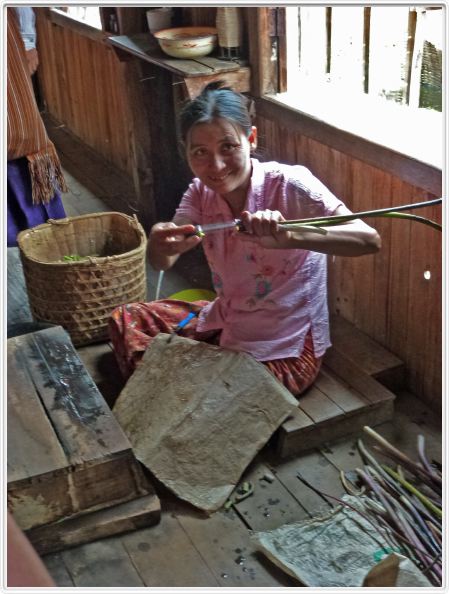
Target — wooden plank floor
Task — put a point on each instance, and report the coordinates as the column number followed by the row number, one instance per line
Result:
column 187, row 548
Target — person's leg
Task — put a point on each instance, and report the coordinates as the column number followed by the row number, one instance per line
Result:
column 25, row 567
column 133, row 326
column 297, row 373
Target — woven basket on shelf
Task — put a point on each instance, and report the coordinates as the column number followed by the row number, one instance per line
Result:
column 80, row 295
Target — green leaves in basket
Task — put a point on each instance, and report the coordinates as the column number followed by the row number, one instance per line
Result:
column 73, row 258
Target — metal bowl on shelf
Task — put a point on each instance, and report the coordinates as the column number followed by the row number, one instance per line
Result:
column 187, row 42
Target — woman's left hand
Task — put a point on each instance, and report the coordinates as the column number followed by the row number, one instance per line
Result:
column 262, row 227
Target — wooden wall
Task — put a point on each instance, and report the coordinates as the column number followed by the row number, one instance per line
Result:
column 81, row 80
column 386, row 295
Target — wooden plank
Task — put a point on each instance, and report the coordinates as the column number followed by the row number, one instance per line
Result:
column 140, row 46
column 271, row 504
column 348, row 400
column 125, row 517
column 33, row 447
column 58, row 571
column 352, row 374
column 224, row 544
column 290, row 440
column 298, row 420
column 343, row 453
column 100, row 362
column 342, row 400
column 73, row 455
column 239, row 80
column 318, row 406
column 215, row 64
column 18, row 308
column 369, row 355
column 140, row 143
column 165, row 557
column 320, row 473
column 83, row 422
column 260, row 51
column 101, row 564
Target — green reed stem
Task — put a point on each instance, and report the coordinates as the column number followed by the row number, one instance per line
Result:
column 394, row 211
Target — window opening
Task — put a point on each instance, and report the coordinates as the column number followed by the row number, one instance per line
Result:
column 369, row 70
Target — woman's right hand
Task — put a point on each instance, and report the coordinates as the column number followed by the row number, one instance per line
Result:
column 168, row 239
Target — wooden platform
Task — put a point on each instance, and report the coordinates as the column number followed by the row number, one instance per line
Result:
column 67, row 455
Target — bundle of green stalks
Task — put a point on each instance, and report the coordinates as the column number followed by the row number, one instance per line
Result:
column 403, row 504
column 405, row 501
column 318, row 225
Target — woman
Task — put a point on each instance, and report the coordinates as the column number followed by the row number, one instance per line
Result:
column 270, row 282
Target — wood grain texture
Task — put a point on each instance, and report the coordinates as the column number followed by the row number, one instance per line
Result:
column 221, row 539
column 104, row 563
column 33, row 448
column 66, row 452
column 18, row 307
column 149, row 548
column 124, row 517
column 384, row 295
column 72, row 401
column 81, row 82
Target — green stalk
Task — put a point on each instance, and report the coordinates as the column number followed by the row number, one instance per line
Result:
column 433, row 508
column 380, row 212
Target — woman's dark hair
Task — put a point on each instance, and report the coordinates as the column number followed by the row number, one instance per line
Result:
column 215, row 101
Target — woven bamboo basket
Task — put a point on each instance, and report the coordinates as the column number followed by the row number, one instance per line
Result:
column 81, row 294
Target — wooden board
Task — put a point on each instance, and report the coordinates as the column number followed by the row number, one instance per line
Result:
column 370, row 356
column 140, row 46
column 18, row 308
column 124, row 517
column 66, row 452
column 342, row 400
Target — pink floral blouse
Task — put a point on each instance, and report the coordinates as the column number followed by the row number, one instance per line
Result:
column 267, row 299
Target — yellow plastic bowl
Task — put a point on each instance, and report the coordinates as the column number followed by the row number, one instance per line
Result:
column 187, row 42
column 194, row 295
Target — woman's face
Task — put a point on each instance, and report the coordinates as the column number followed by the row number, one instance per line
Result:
column 218, row 153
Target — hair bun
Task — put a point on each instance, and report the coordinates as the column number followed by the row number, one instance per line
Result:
column 216, row 85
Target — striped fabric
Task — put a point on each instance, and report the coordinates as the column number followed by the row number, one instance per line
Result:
column 132, row 327
column 27, row 136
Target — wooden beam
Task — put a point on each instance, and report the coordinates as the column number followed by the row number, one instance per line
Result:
column 260, row 51
column 239, row 80
column 412, row 171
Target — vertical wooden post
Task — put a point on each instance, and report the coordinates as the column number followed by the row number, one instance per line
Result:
column 260, row 51
column 414, row 84
column 281, row 50
column 366, row 46
column 139, row 142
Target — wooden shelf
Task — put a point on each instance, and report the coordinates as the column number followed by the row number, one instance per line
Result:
column 142, row 46
column 194, row 73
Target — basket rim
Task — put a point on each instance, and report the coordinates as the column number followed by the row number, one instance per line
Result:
column 89, row 259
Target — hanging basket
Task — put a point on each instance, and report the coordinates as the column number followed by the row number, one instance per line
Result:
column 78, row 269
